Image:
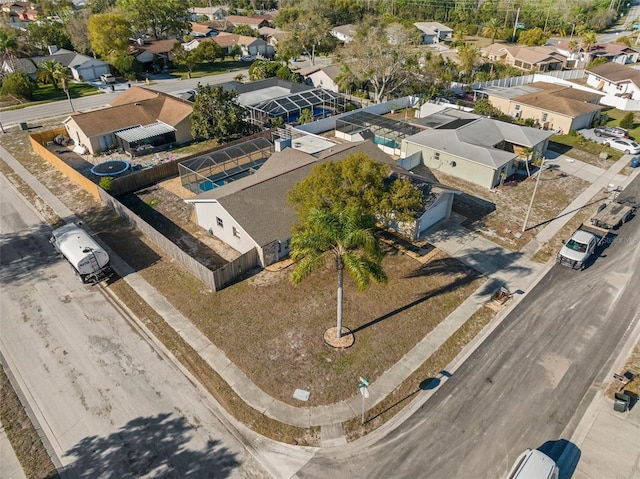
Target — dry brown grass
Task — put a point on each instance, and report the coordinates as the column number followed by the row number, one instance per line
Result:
column 499, row 214
column 632, row 365
column 24, row 439
column 270, row 329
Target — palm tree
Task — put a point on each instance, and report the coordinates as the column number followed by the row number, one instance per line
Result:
column 492, row 29
column 589, row 40
column 345, row 237
column 49, row 72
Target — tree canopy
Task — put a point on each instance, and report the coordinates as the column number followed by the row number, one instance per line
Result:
column 356, row 182
column 343, row 237
column 216, row 114
column 109, row 34
column 19, row 85
column 383, row 57
column 159, row 18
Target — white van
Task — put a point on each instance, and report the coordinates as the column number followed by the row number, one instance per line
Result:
column 533, row 464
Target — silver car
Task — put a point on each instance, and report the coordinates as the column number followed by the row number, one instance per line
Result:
column 611, row 131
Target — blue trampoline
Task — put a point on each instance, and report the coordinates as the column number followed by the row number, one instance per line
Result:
column 111, row 168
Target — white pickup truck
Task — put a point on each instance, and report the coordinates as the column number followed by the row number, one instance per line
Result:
column 586, row 239
column 582, row 244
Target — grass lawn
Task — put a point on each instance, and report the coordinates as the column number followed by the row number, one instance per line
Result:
column 206, row 69
column 272, row 330
column 47, row 94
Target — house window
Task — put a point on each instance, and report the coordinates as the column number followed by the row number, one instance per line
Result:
column 517, row 107
column 219, row 222
column 544, row 116
column 236, row 233
column 436, row 156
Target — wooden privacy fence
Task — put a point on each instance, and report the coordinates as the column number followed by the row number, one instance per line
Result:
column 38, row 142
column 215, row 279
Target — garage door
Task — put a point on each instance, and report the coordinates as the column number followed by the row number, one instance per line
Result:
column 435, row 214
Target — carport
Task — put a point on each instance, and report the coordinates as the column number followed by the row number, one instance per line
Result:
column 142, row 140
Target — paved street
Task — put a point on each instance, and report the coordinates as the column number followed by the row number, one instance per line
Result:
column 109, row 400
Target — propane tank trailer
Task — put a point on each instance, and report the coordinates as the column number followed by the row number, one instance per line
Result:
column 88, row 259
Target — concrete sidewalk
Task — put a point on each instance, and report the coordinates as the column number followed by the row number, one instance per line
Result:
column 513, row 270
column 10, row 467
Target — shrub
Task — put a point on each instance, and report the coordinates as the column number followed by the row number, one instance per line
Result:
column 627, row 121
column 106, row 183
column 18, row 84
column 573, row 133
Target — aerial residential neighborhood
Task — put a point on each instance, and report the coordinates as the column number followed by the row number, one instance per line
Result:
column 304, row 239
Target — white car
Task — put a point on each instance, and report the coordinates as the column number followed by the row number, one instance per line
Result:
column 247, row 58
column 629, row 147
column 107, row 78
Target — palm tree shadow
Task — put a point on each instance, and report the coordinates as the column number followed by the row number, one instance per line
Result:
column 440, row 266
column 156, row 446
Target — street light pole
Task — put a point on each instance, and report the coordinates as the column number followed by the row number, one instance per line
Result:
column 533, row 195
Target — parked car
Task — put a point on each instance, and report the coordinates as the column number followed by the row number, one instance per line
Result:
column 621, row 144
column 247, row 58
column 107, row 78
column 611, row 131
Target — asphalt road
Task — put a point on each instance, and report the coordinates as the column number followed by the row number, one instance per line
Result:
column 62, row 108
column 526, row 386
column 110, row 402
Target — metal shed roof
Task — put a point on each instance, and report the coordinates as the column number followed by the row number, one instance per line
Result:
column 138, row 133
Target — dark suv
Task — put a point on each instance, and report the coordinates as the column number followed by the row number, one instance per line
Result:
column 611, row 131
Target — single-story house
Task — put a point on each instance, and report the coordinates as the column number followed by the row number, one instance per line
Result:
column 615, row 52
column 202, row 30
column 321, row 76
column 24, row 65
column 248, row 45
column 272, row 35
column 215, row 12
column 140, row 121
column 615, row 79
column 253, row 22
column 157, row 52
column 344, row 33
column 476, row 149
column 434, row 32
column 81, row 67
column 552, row 106
column 538, row 58
column 252, row 212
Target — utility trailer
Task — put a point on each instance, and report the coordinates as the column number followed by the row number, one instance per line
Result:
column 88, row 259
column 612, row 215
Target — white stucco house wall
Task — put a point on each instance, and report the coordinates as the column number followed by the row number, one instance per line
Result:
column 615, row 79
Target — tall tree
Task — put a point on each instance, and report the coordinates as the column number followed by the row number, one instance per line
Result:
column 492, row 29
column 356, row 182
column 385, row 60
column 311, row 32
column 8, row 45
column 216, row 114
column 589, row 40
column 160, row 18
column 50, row 72
column 48, row 32
column 342, row 236
column 109, row 34
column 470, row 57
column 78, row 30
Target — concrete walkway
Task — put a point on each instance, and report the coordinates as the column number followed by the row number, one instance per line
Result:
column 513, row 270
column 10, row 467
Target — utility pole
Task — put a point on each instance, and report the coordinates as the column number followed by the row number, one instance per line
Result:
column 515, row 26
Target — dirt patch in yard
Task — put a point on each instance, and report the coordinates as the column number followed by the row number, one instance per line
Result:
column 499, row 214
